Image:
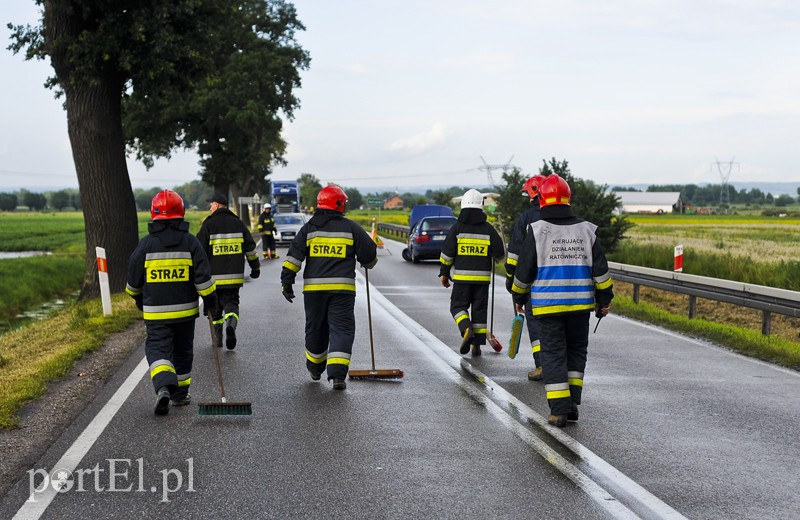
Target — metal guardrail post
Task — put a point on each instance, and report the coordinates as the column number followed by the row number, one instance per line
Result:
column 692, row 306
column 766, row 323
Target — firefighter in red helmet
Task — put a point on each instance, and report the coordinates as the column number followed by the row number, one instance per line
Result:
column 531, row 190
column 329, row 244
column 563, row 274
column 166, row 273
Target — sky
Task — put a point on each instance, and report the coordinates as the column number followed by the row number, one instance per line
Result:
column 404, row 93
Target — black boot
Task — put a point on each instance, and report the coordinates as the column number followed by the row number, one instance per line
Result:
column 230, row 332
column 162, row 401
column 218, row 333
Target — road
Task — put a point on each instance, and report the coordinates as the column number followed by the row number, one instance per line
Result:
column 671, row 427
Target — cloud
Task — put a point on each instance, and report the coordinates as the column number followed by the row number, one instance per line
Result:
column 357, row 68
column 422, row 142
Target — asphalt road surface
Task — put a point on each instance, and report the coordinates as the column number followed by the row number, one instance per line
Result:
column 670, row 427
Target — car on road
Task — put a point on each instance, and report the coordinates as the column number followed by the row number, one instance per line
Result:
column 426, row 237
column 287, row 226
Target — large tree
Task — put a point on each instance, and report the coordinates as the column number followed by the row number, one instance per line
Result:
column 101, row 51
column 233, row 117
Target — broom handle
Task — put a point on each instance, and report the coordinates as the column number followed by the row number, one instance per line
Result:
column 215, row 348
column 369, row 318
column 491, row 318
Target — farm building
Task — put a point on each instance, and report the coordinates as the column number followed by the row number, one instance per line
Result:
column 649, row 202
column 394, row 203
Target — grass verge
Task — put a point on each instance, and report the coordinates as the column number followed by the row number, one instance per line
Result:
column 45, row 351
column 745, row 341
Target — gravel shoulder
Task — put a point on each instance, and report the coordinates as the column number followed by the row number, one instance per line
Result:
column 43, row 420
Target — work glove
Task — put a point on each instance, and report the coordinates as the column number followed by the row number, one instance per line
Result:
column 212, row 307
column 510, row 284
column 255, row 273
column 445, row 281
column 139, row 302
column 287, row 292
column 216, row 314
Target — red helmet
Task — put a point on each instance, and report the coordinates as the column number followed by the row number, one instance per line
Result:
column 332, row 197
column 533, row 185
column 166, row 205
column 554, row 190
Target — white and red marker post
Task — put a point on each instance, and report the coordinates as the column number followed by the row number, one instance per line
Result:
column 102, row 274
column 679, row 259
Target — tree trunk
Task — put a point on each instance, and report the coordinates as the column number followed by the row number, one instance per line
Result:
column 109, row 208
column 94, row 123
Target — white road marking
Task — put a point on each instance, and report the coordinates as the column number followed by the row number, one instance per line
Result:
column 451, row 363
column 38, row 502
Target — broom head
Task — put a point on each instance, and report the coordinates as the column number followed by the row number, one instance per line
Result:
column 516, row 335
column 225, row 409
column 369, row 375
column 494, row 342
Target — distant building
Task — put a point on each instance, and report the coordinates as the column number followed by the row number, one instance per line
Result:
column 657, row 202
column 394, row 203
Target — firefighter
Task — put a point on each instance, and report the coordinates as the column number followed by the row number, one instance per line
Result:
column 166, row 273
column 266, row 227
column 227, row 242
column 330, row 244
column 563, row 273
column 469, row 248
column 529, row 216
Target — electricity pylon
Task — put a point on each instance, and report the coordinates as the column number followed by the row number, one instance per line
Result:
column 724, row 169
column 489, row 167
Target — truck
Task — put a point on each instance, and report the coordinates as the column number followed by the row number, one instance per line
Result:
column 285, row 197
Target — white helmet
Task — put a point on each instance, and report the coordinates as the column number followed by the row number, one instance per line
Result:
column 267, row 206
column 472, row 199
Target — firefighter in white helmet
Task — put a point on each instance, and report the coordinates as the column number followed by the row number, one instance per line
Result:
column 469, row 249
column 562, row 273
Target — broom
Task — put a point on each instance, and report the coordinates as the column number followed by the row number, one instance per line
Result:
column 493, row 341
column 223, row 407
column 392, row 373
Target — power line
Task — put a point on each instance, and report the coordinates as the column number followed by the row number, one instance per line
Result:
column 724, row 169
column 489, row 167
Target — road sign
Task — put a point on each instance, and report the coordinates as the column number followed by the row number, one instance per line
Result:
column 374, row 202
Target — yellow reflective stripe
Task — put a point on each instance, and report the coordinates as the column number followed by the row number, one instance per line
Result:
column 511, row 261
column 604, row 285
column 169, row 262
column 445, row 261
column 539, row 311
column 230, row 281
column 519, row 290
column 219, row 321
column 330, row 240
column 471, row 278
column 330, row 287
column 575, row 381
column 536, row 346
column 338, row 361
column 290, row 266
column 480, row 330
column 171, row 315
column 206, row 292
column 461, row 318
column 316, row 360
column 132, row 292
column 557, row 394
column 161, row 368
column 185, row 382
column 254, row 256
column 479, row 241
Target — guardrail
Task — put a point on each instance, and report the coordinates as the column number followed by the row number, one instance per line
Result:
column 393, row 229
column 767, row 299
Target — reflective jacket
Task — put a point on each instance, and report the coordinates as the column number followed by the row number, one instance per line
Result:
column 562, row 267
column 330, row 244
column 266, row 223
column 470, row 247
column 168, row 270
column 227, row 242
column 528, row 217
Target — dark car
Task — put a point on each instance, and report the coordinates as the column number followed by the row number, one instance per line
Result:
column 426, row 237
